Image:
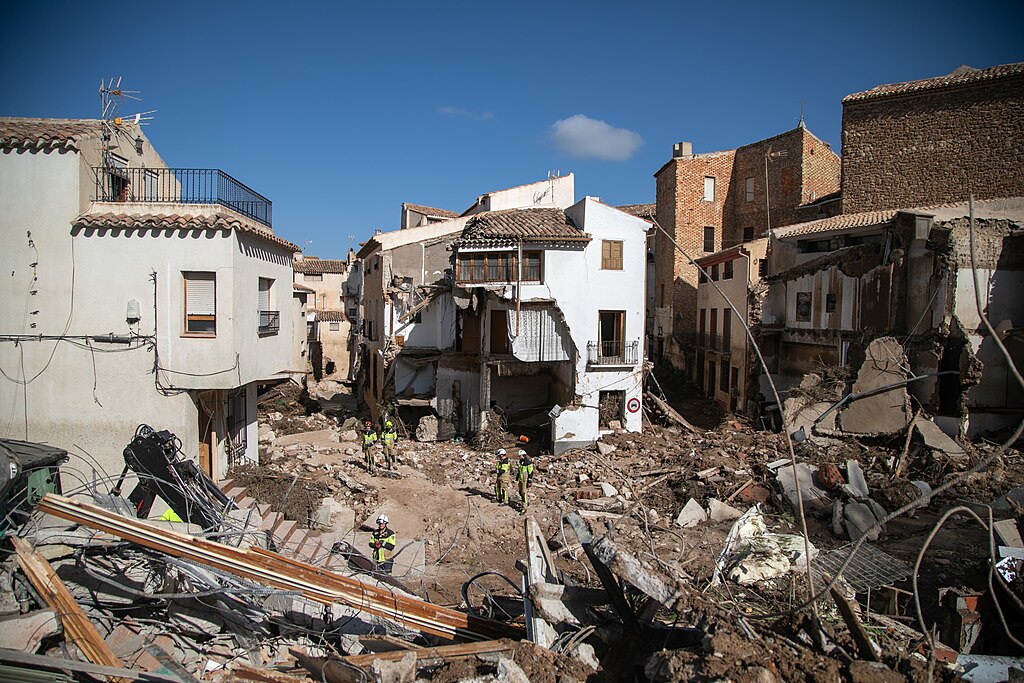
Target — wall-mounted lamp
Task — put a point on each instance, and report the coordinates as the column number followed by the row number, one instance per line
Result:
column 138, row 144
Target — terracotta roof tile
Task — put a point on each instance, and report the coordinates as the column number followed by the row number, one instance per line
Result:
column 319, row 266
column 331, row 316
column 299, row 287
column 639, row 210
column 840, row 222
column 528, row 225
column 431, row 211
column 220, row 221
column 962, row 76
column 25, row 133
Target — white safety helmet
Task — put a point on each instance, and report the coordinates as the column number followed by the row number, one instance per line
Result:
column 383, row 519
column 501, row 451
column 521, row 453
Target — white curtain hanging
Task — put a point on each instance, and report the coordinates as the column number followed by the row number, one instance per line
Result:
column 542, row 335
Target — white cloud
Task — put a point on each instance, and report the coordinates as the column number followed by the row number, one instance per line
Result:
column 459, row 112
column 586, row 138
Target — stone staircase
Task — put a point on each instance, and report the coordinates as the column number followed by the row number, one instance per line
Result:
column 282, row 535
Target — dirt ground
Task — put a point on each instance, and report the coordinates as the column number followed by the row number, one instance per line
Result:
column 443, row 494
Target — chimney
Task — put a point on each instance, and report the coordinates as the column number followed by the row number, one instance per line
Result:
column 682, row 149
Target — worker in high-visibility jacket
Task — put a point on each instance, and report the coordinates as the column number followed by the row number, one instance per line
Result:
column 524, row 474
column 369, row 446
column 388, row 438
column 382, row 542
column 504, row 480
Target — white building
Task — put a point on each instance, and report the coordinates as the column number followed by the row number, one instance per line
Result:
column 137, row 294
column 549, row 322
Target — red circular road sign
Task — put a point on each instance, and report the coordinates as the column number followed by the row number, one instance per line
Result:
column 633, row 405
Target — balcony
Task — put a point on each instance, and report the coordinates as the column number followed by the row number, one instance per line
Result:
column 612, row 353
column 715, row 342
column 270, row 323
column 180, row 186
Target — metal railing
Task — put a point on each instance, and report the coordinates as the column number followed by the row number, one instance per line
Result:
column 612, row 352
column 270, row 322
column 714, row 342
column 181, row 186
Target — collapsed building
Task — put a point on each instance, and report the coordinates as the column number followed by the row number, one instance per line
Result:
column 839, row 283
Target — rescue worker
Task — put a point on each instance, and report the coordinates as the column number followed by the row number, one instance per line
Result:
column 504, row 480
column 525, row 475
column 369, row 445
column 389, row 438
column 382, row 542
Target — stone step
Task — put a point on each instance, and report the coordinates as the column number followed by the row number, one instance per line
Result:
column 283, row 531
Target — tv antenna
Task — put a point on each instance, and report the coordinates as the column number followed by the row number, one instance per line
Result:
column 112, row 121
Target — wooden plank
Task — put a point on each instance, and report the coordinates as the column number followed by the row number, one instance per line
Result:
column 76, row 625
column 429, row 653
column 671, row 413
column 278, row 571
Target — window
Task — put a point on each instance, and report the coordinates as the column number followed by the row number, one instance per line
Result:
column 270, row 321
column 200, row 304
column 353, row 313
column 723, row 375
column 701, row 340
column 611, row 255
column 713, row 329
column 727, row 270
column 313, row 277
column 611, row 326
column 709, row 189
column 748, row 190
column 118, row 186
column 830, row 303
column 762, row 268
column 748, row 234
column 497, row 267
column 714, row 272
column 726, row 328
column 702, row 276
column 804, row 301
column 335, row 327
column 709, row 238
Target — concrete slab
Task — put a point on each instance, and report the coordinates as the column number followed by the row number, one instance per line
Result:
column 722, row 512
column 691, row 515
column 855, row 478
column 937, row 440
column 813, row 496
column 24, row 632
column 886, row 412
column 859, row 519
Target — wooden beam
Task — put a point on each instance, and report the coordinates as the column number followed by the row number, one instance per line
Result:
column 671, row 412
column 76, row 625
column 277, row 571
column 430, row 653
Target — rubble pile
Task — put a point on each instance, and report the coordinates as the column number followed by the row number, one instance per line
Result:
column 674, row 554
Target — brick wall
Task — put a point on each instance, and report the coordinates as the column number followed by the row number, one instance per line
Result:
column 907, row 150
column 809, row 170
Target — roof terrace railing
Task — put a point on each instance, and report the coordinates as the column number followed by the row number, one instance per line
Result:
column 181, row 186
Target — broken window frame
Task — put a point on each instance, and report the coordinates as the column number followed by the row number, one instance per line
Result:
column 804, row 306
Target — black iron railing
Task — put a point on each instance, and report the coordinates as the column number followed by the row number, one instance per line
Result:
column 181, row 186
column 715, row 342
column 270, row 322
column 612, row 352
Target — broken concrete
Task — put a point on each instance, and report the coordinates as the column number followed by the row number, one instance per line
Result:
column 722, row 512
column 885, row 412
column 26, row 631
column 691, row 515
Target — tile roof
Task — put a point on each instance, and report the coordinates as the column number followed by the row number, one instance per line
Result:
column 331, row 316
column 430, row 210
column 25, row 133
column 299, row 287
column 528, row 225
column 840, row 222
column 222, row 220
column 312, row 265
column 962, row 76
column 638, row 210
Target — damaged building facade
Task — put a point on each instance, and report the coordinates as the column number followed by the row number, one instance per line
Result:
column 550, row 322
column 328, row 330
column 897, row 260
column 408, row 316
column 149, row 295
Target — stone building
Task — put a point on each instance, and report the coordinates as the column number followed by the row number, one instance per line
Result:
column 714, row 201
column 933, row 141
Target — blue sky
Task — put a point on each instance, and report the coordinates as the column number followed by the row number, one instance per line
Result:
column 339, row 112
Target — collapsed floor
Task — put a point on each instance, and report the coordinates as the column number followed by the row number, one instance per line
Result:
column 675, row 554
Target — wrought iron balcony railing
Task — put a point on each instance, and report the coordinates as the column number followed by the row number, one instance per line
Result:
column 612, row 352
column 270, row 322
column 181, row 186
column 714, row 342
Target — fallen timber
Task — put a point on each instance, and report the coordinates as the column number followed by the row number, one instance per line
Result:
column 277, row 571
